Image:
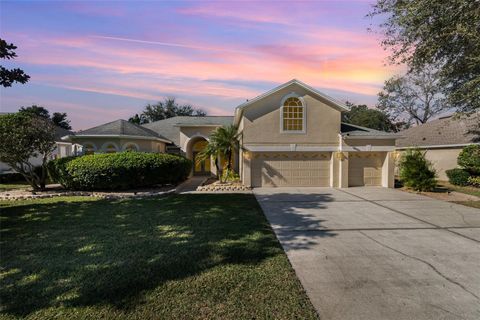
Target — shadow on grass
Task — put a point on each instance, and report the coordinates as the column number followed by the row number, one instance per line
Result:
column 97, row 252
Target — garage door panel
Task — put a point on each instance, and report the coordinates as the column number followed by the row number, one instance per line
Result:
column 365, row 169
column 294, row 169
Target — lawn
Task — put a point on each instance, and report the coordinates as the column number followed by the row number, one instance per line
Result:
column 176, row 257
column 13, row 186
column 463, row 189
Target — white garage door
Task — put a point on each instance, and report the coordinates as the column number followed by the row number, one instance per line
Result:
column 309, row 169
column 365, row 168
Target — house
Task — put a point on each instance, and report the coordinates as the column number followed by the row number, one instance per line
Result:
column 291, row 135
column 442, row 139
column 62, row 149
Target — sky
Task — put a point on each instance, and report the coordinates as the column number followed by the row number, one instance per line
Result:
column 105, row 60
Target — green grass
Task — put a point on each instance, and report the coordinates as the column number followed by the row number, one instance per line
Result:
column 473, row 204
column 175, row 257
column 466, row 189
column 13, row 186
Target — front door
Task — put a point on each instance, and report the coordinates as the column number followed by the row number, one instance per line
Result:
column 200, row 167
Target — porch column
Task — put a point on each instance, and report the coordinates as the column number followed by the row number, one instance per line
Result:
column 343, row 170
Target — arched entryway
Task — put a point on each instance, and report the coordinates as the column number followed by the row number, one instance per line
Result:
column 195, row 146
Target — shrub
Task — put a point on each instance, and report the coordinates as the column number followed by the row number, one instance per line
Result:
column 416, row 172
column 474, row 181
column 116, row 171
column 230, row 176
column 469, row 159
column 458, row 177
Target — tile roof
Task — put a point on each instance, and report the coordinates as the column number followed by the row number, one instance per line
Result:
column 450, row 130
column 348, row 129
column 170, row 128
column 119, row 127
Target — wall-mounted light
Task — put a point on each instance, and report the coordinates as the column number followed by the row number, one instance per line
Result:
column 247, row 155
column 340, row 156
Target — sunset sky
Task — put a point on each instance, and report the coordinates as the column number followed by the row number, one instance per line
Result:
column 101, row 61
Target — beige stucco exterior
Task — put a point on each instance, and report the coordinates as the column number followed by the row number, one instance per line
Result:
column 442, row 159
column 273, row 157
column 261, row 123
column 100, row 143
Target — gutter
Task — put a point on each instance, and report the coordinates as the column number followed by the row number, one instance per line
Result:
column 72, row 137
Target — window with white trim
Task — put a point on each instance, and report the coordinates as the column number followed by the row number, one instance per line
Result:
column 293, row 115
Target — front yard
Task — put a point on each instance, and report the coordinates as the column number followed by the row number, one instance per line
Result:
column 181, row 256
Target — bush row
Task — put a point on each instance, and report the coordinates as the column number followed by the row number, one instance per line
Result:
column 469, row 173
column 119, row 171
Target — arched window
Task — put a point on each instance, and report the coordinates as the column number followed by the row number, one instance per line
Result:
column 130, row 147
column 88, row 148
column 110, row 148
column 293, row 115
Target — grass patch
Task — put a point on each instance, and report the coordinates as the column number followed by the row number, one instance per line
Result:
column 473, row 204
column 463, row 189
column 175, row 257
column 14, row 186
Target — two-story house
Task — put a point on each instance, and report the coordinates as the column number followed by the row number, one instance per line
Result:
column 291, row 135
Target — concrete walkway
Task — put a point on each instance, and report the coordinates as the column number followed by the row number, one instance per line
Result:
column 190, row 185
column 375, row 253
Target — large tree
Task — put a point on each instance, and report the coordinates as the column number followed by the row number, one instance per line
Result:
column 436, row 32
column 58, row 118
column 414, row 98
column 165, row 109
column 361, row 115
column 24, row 137
column 9, row 76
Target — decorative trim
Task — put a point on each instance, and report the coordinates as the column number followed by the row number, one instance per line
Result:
column 289, row 148
column 439, row 146
column 368, row 148
column 197, row 135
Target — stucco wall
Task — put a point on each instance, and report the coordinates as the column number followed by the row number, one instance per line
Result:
column 365, row 142
column 143, row 145
column 261, row 121
column 443, row 159
column 187, row 133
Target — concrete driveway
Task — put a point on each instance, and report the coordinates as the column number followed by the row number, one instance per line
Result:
column 376, row 253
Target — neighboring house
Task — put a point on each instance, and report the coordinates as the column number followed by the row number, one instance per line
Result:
column 442, row 139
column 62, row 149
column 289, row 136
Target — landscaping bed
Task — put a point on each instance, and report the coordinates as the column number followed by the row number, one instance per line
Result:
column 196, row 256
column 213, row 185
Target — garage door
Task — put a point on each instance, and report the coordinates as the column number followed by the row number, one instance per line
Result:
column 365, row 168
column 310, row 169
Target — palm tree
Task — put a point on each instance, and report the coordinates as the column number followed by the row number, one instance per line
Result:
column 223, row 142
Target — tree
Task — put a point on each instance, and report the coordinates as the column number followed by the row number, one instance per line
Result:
column 223, row 142
column 165, row 109
column 415, row 97
column 361, row 115
column 8, row 77
column 416, row 172
column 58, row 118
column 436, row 32
column 25, row 136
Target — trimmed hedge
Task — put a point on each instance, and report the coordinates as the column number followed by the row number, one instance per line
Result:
column 118, row 171
column 458, row 177
column 469, row 159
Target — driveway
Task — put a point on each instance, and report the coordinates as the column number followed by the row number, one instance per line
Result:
column 377, row 253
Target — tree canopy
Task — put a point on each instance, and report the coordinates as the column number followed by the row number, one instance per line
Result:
column 165, row 109
column 25, row 136
column 436, row 32
column 10, row 76
column 361, row 115
column 414, row 98
column 58, row 118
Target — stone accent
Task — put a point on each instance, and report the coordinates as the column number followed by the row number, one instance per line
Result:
column 214, row 187
column 96, row 194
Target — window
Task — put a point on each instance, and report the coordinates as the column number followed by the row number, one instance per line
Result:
column 293, row 115
column 110, row 148
column 130, row 147
column 88, row 148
